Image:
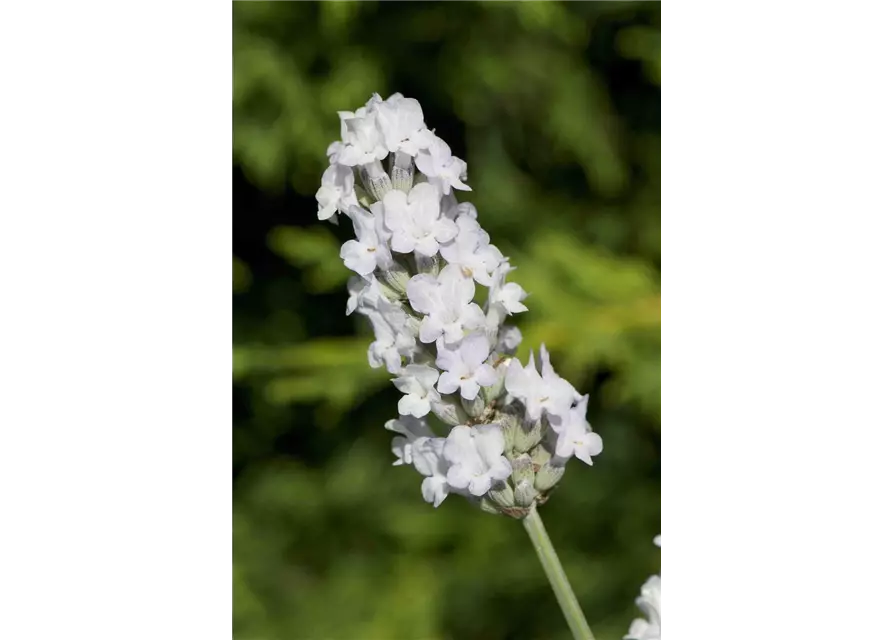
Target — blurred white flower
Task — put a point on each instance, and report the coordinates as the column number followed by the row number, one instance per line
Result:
column 649, row 603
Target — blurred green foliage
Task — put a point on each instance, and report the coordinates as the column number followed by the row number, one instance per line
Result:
column 556, row 108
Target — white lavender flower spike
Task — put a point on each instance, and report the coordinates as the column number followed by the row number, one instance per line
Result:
column 419, row 256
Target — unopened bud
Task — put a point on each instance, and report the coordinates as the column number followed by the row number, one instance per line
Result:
column 395, row 278
column 449, row 412
column 402, row 171
column 375, row 179
column 502, row 495
column 488, row 506
column 529, row 435
column 424, row 264
column 548, row 476
column 509, row 424
column 522, row 469
column 540, row 456
column 495, row 390
column 525, row 494
column 474, row 408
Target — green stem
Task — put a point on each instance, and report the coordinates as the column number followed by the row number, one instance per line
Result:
column 557, row 578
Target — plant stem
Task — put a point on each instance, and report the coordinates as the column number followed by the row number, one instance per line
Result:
column 557, row 578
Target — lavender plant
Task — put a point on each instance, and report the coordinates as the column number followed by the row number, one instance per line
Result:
column 434, row 289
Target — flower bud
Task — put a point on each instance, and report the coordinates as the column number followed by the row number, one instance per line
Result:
column 394, row 281
column 548, row 476
column 402, row 171
column 502, row 495
column 375, row 180
column 495, row 390
column 474, row 408
column 539, row 456
column 529, row 435
column 488, row 506
column 449, row 412
column 509, row 424
column 522, row 470
column 424, row 264
column 525, row 494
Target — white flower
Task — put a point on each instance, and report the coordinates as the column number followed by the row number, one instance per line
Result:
column 369, row 249
column 464, row 367
column 362, row 291
column 411, row 430
column 393, row 337
column 447, row 304
column 561, row 392
column 649, row 603
column 417, row 382
column 505, row 297
column 475, row 457
column 508, row 339
column 657, row 540
column 576, row 437
column 428, row 459
column 471, row 250
column 363, row 142
column 337, row 192
column 547, row 392
column 402, row 125
column 415, row 220
column 441, row 167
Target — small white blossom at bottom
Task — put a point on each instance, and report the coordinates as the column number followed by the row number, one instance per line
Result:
column 411, row 430
column 428, row 459
column 475, row 457
column 649, row 603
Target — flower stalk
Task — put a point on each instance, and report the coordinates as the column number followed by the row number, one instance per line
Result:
column 557, row 578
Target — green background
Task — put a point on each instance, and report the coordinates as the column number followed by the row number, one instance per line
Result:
column 556, row 109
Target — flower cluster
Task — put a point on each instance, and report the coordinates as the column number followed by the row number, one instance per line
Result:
column 418, row 257
column 649, row 603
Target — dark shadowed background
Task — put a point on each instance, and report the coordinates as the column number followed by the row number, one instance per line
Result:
column 556, row 109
